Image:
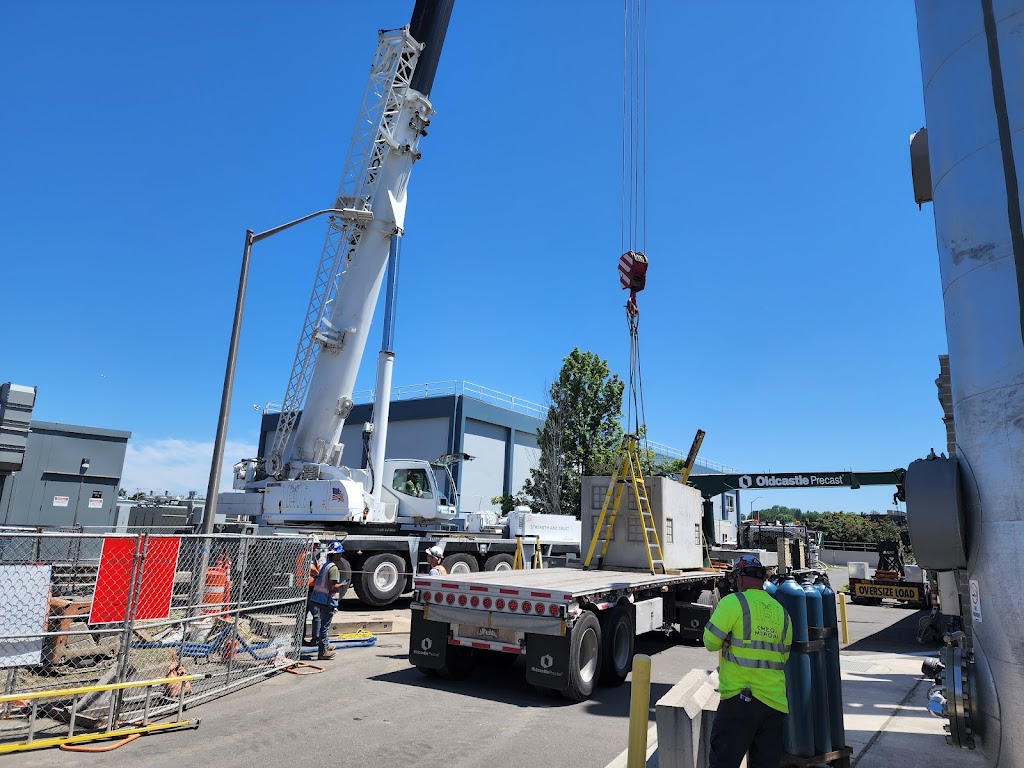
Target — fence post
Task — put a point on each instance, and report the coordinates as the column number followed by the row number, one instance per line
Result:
column 134, row 587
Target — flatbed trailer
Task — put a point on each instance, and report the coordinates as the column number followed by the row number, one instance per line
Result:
column 575, row 627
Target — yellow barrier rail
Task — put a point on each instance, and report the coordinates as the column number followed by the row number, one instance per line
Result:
column 31, row 701
column 86, row 737
column 65, row 692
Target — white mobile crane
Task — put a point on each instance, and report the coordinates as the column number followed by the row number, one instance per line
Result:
column 390, row 510
column 302, row 479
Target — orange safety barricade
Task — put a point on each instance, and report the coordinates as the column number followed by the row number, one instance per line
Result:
column 218, row 590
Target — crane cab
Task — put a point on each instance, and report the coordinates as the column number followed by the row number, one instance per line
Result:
column 412, row 485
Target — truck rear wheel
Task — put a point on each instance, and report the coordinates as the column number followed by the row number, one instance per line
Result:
column 498, row 563
column 584, row 657
column 460, row 563
column 618, row 631
column 345, row 571
column 382, row 579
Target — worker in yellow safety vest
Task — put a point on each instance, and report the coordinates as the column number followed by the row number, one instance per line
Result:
column 752, row 634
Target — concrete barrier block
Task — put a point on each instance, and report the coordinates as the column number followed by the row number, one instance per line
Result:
column 684, row 716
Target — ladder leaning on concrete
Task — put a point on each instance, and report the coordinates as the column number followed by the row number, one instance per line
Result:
column 627, row 471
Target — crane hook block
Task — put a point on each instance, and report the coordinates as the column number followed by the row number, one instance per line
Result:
column 633, row 271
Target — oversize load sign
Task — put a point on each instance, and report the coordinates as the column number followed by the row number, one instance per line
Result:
column 792, row 480
column 869, row 589
column 114, row 580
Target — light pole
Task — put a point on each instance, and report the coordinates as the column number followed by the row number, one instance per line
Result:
column 751, row 514
column 210, row 508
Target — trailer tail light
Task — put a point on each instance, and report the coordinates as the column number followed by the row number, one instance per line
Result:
column 474, row 601
column 513, row 605
column 450, row 598
column 540, row 608
column 527, row 606
column 553, row 609
column 438, row 597
column 487, row 602
column 500, row 604
column 426, row 597
column 462, row 600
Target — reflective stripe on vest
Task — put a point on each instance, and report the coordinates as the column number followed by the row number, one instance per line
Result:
column 747, row 643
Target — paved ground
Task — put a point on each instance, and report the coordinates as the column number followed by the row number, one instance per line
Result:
column 370, row 708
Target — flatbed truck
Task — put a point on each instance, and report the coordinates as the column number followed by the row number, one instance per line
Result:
column 575, row 627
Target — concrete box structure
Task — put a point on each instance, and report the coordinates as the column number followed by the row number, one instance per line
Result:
column 677, row 516
column 69, row 477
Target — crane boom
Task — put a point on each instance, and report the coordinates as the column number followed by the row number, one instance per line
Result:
column 393, row 116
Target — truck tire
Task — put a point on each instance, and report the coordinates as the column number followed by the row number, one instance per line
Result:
column 460, row 563
column 584, row 657
column 381, row 580
column 618, row 632
column 345, row 572
column 498, row 563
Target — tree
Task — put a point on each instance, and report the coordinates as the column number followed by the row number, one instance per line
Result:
column 581, row 434
column 780, row 514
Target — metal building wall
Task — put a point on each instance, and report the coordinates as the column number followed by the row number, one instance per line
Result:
column 526, row 455
column 483, row 478
column 55, row 487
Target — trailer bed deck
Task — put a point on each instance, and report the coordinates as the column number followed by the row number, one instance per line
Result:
column 571, row 582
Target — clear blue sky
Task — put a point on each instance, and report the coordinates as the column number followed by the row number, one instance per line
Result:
column 793, row 307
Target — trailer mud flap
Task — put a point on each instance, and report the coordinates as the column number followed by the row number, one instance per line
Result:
column 692, row 619
column 428, row 642
column 547, row 661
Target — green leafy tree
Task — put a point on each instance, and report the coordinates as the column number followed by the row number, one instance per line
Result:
column 780, row 514
column 581, row 434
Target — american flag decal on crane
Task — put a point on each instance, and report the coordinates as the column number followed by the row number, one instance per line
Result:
column 337, row 494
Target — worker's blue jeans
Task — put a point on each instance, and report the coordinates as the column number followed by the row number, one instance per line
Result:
column 320, row 633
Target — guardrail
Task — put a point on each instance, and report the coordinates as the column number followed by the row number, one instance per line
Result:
column 851, row 546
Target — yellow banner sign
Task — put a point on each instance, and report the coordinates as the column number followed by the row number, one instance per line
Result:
column 890, row 591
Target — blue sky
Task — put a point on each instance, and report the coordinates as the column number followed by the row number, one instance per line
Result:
column 793, row 307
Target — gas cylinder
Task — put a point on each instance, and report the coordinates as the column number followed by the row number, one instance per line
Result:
column 798, row 729
column 819, row 679
column 834, row 681
column 770, row 587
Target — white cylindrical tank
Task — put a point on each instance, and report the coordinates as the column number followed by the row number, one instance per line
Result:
column 972, row 67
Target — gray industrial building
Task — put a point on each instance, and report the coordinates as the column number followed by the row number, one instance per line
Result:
column 500, row 431
column 69, row 476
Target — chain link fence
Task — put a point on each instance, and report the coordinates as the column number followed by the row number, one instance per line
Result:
column 81, row 609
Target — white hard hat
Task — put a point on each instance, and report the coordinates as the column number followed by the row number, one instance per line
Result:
column 435, row 552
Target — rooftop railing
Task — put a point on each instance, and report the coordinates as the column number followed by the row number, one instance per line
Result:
column 501, row 400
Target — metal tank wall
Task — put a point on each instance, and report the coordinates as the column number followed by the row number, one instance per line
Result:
column 972, row 66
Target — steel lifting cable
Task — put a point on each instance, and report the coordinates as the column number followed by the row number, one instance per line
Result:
column 633, row 233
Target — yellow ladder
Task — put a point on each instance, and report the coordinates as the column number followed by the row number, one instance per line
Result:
column 627, row 470
column 518, row 562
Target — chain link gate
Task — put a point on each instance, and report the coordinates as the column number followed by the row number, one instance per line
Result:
column 113, row 611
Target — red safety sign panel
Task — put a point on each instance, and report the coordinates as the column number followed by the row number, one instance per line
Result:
column 114, row 580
